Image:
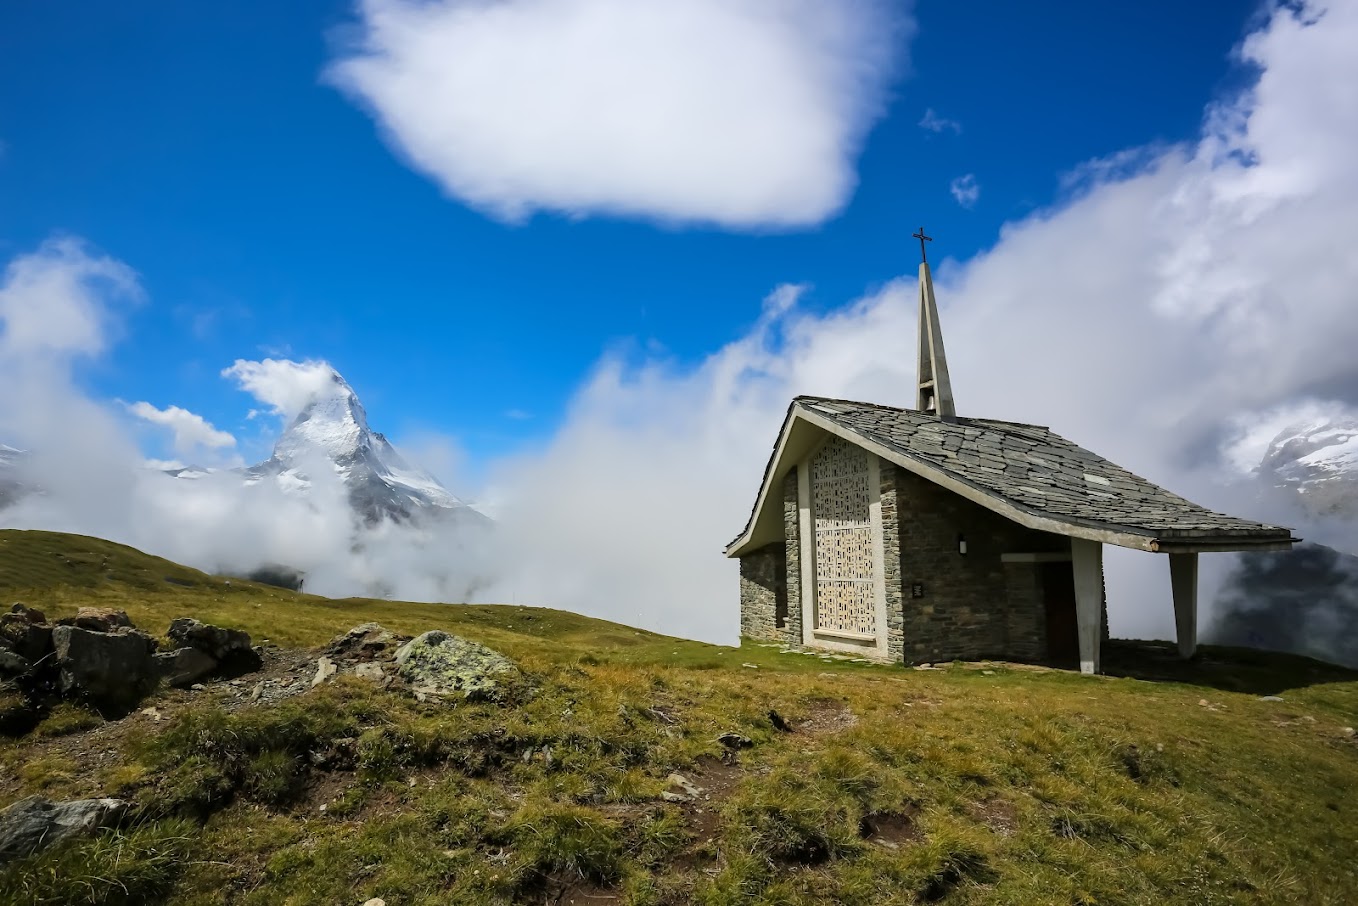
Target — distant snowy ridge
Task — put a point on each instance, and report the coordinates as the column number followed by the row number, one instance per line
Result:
column 1319, row 461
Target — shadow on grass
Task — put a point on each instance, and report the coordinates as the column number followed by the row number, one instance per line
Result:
column 1243, row 670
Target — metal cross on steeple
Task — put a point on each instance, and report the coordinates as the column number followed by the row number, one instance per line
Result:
column 922, row 239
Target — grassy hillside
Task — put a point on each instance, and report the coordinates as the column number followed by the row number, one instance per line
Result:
column 974, row 783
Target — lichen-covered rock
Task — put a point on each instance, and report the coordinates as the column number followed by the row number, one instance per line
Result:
column 230, row 648
column 33, row 824
column 437, row 663
column 184, row 666
column 107, row 667
column 366, row 642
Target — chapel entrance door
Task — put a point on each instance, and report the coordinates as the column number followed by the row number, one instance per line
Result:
column 1058, row 594
column 845, row 587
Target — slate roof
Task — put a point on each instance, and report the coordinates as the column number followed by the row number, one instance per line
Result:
column 1039, row 472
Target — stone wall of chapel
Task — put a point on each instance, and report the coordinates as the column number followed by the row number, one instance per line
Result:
column 771, row 581
column 762, row 588
column 974, row 606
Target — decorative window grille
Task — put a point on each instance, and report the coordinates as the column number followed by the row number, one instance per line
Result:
column 845, row 591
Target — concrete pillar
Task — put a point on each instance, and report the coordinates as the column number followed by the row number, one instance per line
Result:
column 1183, row 579
column 1087, row 561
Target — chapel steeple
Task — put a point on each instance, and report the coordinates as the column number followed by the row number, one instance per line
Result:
column 935, row 389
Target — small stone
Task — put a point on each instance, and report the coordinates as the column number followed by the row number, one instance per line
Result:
column 325, row 669
column 1348, row 731
column 987, row 673
column 324, row 806
column 33, row 824
column 371, row 670
column 735, row 741
column 679, row 781
column 751, row 666
column 152, row 713
column 376, row 901
column 198, row 687
column 1270, row 698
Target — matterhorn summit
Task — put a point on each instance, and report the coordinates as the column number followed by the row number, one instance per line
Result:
column 332, row 431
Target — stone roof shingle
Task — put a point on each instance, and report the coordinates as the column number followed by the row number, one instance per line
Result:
column 1038, row 471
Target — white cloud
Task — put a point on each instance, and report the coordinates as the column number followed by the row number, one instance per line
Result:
column 283, row 385
column 932, row 122
column 191, row 431
column 742, row 113
column 52, row 300
column 965, row 190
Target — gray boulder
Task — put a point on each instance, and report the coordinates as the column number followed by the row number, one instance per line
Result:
column 230, row 648
column 25, row 632
column 12, row 664
column 365, row 642
column 108, row 667
column 33, row 824
column 184, row 666
column 437, row 663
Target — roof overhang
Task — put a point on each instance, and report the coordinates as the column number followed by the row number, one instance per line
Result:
column 804, row 428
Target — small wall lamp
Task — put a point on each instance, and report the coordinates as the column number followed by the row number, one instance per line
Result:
column 962, row 544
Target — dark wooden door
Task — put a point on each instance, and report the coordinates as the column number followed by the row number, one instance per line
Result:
column 1058, row 594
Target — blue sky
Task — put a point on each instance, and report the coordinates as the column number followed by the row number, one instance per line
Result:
column 202, row 145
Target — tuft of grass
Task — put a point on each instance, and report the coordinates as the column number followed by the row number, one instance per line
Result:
column 67, row 718
column 131, row 866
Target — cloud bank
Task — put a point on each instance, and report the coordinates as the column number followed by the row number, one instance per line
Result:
column 1164, row 314
column 740, row 113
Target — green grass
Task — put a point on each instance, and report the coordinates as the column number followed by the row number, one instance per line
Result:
column 1165, row 782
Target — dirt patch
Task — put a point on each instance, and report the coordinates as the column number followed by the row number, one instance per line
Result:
column 997, row 814
column 890, row 829
column 825, row 716
column 557, row 889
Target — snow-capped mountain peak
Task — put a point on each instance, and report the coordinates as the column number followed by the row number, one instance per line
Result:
column 333, row 427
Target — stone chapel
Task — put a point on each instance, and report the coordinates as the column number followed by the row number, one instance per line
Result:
column 917, row 535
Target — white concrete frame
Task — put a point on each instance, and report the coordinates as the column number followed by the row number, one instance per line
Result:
column 833, row 640
column 1183, row 580
column 1087, row 564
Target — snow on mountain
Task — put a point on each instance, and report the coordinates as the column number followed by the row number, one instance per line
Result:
column 332, row 429
column 12, row 487
column 1319, row 461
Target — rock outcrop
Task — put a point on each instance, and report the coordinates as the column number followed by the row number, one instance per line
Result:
column 31, row 825
column 98, row 656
